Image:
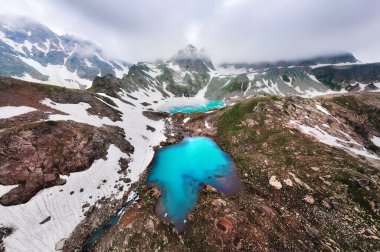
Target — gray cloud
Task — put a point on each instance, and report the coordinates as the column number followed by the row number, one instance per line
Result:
column 230, row 30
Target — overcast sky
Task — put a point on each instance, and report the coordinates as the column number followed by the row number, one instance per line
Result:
column 229, row 30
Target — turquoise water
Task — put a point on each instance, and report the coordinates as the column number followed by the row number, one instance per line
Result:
column 187, row 109
column 102, row 230
column 181, row 170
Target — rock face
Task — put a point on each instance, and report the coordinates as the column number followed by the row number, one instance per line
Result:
column 34, row 157
column 342, row 76
column 4, row 232
column 34, row 154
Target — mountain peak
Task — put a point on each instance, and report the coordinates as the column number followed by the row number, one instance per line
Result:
column 190, row 52
column 190, row 56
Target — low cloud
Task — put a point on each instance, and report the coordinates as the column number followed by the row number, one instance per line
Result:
column 230, row 30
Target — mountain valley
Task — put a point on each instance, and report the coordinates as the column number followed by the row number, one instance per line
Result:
column 79, row 133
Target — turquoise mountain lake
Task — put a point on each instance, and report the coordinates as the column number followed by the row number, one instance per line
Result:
column 187, row 109
column 181, row 170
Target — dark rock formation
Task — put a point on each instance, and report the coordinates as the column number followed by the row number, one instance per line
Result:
column 339, row 76
column 33, row 156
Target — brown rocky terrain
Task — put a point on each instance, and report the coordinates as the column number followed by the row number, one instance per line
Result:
column 37, row 153
column 34, row 153
column 34, row 156
column 300, row 194
column 20, row 93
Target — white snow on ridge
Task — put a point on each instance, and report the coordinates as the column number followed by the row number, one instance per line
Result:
column 11, row 43
column 326, row 138
column 11, row 111
column 120, row 73
column 76, row 112
column 248, row 88
column 313, row 78
column 154, row 71
column 338, row 64
column 229, row 71
column 174, row 67
column 312, row 92
column 58, row 75
column 201, row 94
column 377, row 84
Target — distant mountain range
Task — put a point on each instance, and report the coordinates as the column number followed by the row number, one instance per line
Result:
column 191, row 73
column 31, row 51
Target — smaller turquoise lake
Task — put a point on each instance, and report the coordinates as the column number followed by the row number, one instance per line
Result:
column 187, row 109
column 181, row 170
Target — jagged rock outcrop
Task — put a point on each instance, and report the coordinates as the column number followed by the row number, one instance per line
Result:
column 34, row 156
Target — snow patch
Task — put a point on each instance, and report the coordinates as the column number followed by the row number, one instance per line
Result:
column 275, row 183
column 11, row 111
column 322, row 109
column 326, row 138
column 313, row 78
column 201, row 94
column 376, row 141
column 58, row 75
column 207, row 125
column 76, row 112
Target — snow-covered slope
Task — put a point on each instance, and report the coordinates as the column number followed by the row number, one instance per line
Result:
column 64, row 206
column 31, row 51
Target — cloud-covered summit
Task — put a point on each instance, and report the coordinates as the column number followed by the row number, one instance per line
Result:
column 230, row 30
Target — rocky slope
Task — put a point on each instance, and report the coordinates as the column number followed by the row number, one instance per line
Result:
column 71, row 158
column 67, row 154
column 310, row 168
column 31, row 51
